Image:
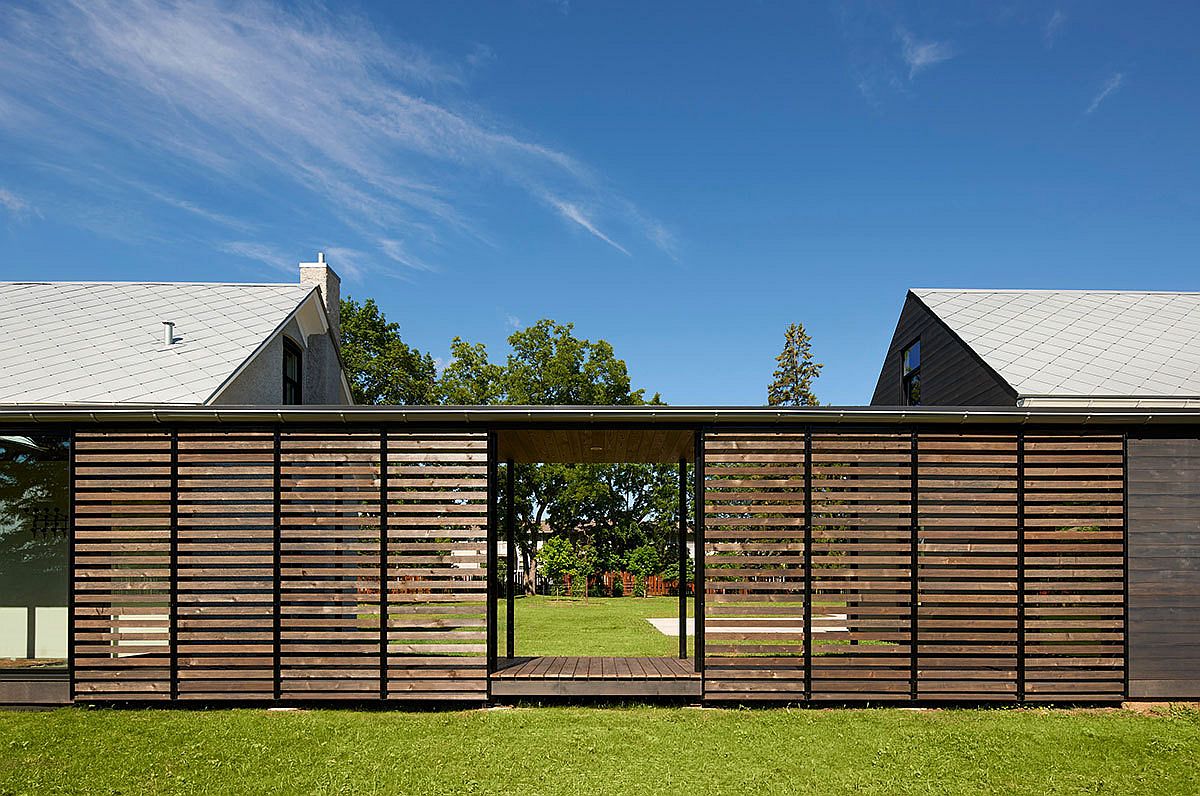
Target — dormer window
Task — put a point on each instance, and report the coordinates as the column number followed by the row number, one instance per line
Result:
column 293, row 371
column 910, row 375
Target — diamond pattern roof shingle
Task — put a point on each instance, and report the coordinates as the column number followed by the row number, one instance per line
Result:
column 102, row 342
column 1080, row 342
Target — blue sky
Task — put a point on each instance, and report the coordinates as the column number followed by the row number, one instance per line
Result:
column 682, row 179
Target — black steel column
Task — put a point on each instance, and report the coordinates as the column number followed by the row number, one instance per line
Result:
column 808, row 575
column 914, row 596
column 698, row 541
column 277, row 555
column 1021, row 566
column 510, row 539
column 683, row 645
column 173, row 612
column 383, row 564
column 1125, row 565
column 71, row 565
column 493, row 533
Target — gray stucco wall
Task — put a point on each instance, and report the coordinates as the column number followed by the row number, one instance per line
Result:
column 262, row 380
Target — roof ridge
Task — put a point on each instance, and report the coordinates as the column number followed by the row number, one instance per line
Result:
column 160, row 282
column 1054, row 290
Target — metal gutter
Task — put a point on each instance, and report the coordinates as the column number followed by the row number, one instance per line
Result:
column 590, row 415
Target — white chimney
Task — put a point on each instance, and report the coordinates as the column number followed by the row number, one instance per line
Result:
column 168, row 332
column 330, row 287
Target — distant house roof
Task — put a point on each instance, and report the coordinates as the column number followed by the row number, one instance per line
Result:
column 1074, row 345
column 103, row 342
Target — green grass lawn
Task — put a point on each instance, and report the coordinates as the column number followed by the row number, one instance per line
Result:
column 610, row 627
column 642, row 750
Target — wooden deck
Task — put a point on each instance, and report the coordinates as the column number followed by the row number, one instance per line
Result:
column 592, row 676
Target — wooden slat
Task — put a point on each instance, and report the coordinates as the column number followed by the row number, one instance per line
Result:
column 754, row 550
column 437, row 558
column 122, row 611
column 226, row 564
column 967, row 567
column 1074, row 576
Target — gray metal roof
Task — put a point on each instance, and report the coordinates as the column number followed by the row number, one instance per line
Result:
column 102, row 342
column 1080, row 343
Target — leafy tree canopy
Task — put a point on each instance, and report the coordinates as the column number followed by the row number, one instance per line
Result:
column 381, row 367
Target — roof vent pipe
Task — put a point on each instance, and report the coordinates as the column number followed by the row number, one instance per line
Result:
column 168, row 332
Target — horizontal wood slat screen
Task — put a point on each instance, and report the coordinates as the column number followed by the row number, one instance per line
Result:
column 329, row 567
column 437, row 566
column 1074, row 568
column 917, row 587
column 122, row 574
column 967, row 567
column 754, row 566
column 862, row 574
column 277, row 539
column 226, row 584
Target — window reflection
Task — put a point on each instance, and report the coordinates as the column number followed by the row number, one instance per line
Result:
column 34, row 535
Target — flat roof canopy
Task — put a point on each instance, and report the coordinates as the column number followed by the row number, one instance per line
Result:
column 596, row 445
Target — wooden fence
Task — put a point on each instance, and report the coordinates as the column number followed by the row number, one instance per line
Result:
column 898, row 566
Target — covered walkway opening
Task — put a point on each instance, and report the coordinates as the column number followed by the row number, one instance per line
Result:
column 515, row 675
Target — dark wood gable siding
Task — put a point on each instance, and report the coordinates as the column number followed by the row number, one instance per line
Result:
column 951, row 373
column 1164, row 568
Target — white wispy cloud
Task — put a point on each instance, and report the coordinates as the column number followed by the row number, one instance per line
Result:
column 512, row 322
column 238, row 95
column 573, row 212
column 920, row 55
column 1050, row 31
column 12, row 203
column 1110, row 85
column 260, row 252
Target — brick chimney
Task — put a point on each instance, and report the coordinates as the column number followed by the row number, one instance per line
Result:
column 330, row 287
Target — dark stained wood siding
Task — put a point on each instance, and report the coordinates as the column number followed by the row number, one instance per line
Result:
column 1164, row 568
column 951, row 373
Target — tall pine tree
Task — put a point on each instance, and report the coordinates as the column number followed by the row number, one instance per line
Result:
column 796, row 371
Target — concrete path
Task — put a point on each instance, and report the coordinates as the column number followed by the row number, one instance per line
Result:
column 669, row 626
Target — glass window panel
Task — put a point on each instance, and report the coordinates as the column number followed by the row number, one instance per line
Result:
column 34, row 537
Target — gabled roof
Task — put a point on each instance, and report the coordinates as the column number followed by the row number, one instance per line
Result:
column 102, row 342
column 1080, row 343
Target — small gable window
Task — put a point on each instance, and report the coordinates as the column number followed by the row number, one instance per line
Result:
column 293, row 370
column 910, row 375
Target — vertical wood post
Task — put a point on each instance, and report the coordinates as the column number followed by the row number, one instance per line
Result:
column 683, row 642
column 71, row 622
column 1021, row 566
column 510, row 537
column 914, row 595
column 698, row 501
column 383, row 563
column 808, row 574
column 493, row 533
column 1125, row 565
column 277, row 564
column 173, row 574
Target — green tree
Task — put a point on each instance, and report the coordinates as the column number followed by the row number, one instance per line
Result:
column 381, row 367
column 644, row 562
column 796, row 371
column 470, row 379
column 556, row 559
column 587, row 564
column 547, row 365
column 550, row 366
